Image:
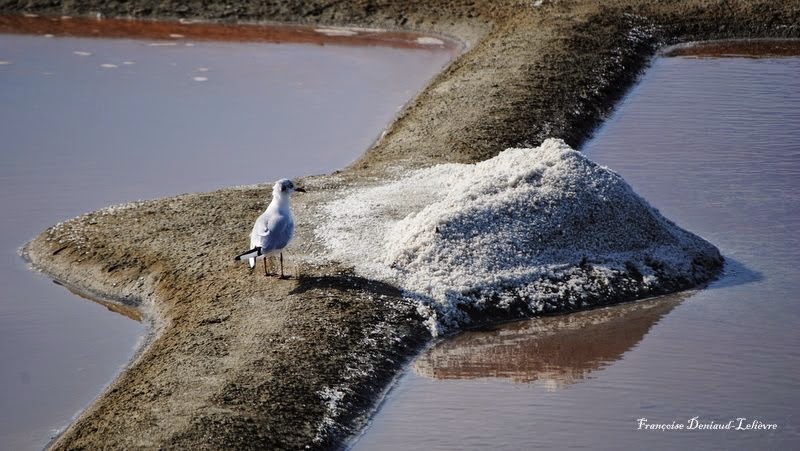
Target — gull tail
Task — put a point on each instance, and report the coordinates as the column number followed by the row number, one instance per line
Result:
column 250, row 255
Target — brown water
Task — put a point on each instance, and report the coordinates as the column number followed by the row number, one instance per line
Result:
column 86, row 123
column 715, row 145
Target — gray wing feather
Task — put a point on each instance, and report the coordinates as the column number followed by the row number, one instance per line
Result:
column 276, row 233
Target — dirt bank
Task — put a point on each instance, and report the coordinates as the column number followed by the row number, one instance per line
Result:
column 237, row 360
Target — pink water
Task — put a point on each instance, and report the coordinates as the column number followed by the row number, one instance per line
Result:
column 715, row 145
column 86, row 123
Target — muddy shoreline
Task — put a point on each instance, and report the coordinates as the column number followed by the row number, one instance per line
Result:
column 188, row 30
column 236, row 360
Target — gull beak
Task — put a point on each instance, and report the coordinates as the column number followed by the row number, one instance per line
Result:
column 300, row 190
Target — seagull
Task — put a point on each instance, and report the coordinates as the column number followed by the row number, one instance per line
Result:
column 274, row 228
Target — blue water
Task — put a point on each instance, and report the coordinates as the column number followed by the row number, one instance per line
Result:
column 715, row 145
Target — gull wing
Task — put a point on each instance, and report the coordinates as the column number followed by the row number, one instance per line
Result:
column 274, row 232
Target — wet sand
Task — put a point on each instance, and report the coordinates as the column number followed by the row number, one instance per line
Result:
column 236, row 360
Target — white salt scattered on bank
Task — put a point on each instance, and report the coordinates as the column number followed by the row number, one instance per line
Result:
column 529, row 231
column 336, row 31
column 427, row 40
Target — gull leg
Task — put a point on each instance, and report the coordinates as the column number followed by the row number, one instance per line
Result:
column 282, row 265
column 265, row 267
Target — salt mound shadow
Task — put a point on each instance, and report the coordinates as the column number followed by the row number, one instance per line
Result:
column 530, row 231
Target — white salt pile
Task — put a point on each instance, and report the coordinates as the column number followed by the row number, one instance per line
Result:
column 529, row 231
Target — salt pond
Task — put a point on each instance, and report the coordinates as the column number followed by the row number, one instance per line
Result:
column 715, row 145
column 87, row 123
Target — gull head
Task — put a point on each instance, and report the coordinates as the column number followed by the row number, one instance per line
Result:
column 284, row 187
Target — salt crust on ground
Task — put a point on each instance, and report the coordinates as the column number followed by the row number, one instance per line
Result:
column 529, row 231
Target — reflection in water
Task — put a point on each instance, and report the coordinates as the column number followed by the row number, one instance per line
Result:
column 713, row 144
column 116, row 307
column 560, row 350
column 759, row 48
